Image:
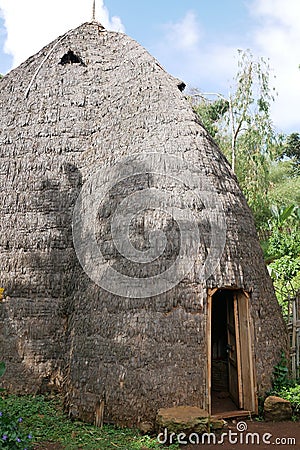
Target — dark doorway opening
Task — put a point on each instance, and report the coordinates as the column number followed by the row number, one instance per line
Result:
column 231, row 362
column 224, row 365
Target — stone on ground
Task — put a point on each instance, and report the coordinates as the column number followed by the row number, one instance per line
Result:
column 186, row 419
column 277, row 409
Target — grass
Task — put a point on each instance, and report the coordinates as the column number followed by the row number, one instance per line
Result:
column 45, row 420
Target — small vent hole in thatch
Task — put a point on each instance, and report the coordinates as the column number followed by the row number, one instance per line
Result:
column 181, row 86
column 71, row 58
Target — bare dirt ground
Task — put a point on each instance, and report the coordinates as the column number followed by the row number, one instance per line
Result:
column 281, row 435
column 48, row 446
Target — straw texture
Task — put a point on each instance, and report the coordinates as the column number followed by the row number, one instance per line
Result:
column 81, row 103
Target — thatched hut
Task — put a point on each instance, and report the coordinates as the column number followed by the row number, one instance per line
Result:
column 83, row 103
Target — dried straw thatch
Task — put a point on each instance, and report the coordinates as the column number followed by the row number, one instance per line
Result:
column 82, row 102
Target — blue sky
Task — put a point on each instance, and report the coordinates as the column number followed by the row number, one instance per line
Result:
column 145, row 20
column 195, row 40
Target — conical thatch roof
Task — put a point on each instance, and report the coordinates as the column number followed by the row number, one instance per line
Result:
column 88, row 100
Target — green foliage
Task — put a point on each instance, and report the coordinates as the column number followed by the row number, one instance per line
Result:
column 252, row 98
column 2, row 372
column 2, row 368
column 253, row 135
column 284, row 386
column 243, row 129
column 46, row 419
column 285, row 268
column 284, row 288
column 12, row 434
column 210, row 113
column 267, row 166
column 292, row 394
column 285, row 236
column 284, row 189
column 281, row 375
column 282, row 252
column 291, row 149
column 282, row 215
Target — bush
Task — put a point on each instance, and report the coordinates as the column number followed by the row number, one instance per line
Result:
column 284, row 386
column 281, row 375
column 292, row 394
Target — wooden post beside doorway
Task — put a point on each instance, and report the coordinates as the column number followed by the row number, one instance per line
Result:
column 230, row 347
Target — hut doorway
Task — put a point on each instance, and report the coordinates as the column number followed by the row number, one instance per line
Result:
column 231, row 376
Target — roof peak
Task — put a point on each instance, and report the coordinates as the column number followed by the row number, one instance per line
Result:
column 94, row 11
column 94, row 20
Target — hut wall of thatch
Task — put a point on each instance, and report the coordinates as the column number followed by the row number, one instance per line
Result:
column 83, row 102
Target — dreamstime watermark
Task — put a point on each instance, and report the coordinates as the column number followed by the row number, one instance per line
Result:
column 173, row 203
column 240, row 436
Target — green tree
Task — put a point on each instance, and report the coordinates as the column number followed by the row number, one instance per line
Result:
column 284, row 187
column 250, row 107
column 290, row 150
column 242, row 126
column 282, row 251
column 211, row 112
column 266, row 165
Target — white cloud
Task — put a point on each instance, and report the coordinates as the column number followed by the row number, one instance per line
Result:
column 209, row 62
column 277, row 12
column 277, row 35
column 31, row 24
column 185, row 34
column 187, row 53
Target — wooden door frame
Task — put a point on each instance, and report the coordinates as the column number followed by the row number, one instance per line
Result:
column 246, row 359
column 237, row 350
